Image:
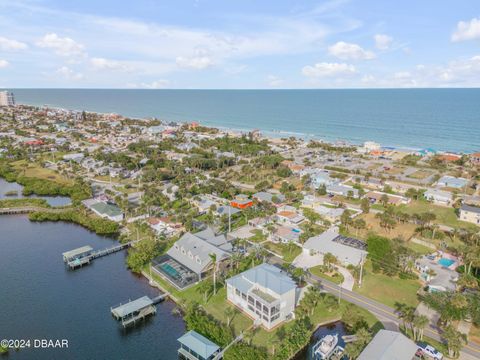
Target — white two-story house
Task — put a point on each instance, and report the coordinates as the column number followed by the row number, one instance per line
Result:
column 265, row 293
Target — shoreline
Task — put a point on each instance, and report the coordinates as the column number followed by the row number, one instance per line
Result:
column 264, row 133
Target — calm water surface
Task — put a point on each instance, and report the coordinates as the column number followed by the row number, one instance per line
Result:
column 40, row 298
column 443, row 119
column 6, row 186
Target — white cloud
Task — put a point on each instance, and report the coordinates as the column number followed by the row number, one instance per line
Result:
column 62, row 46
column 68, row 73
column 325, row 69
column 368, row 79
column 158, row 84
column 195, row 62
column 3, row 63
column 348, row 51
column 383, row 41
column 11, row 45
column 274, row 81
column 106, row 64
column 467, row 30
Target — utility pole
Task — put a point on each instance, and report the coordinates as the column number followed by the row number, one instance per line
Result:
column 229, row 219
column 361, row 272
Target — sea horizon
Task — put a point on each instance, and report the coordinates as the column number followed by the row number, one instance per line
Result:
column 381, row 115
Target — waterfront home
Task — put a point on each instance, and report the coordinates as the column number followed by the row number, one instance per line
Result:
column 267, row 197
column 376, row 197
column 470, row 214
column 241, row 201
column 265, row 293
column 389, row 345
column 104, row 209
column 438, row 197
column 452, row 182
column 348, row 251
column 286, row 234
column 194, row 346
column 437, row 272
column 189, row 259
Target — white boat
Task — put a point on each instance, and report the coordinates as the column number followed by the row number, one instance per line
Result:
column 323, row 348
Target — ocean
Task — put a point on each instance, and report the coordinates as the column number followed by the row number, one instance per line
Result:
column 441, row 119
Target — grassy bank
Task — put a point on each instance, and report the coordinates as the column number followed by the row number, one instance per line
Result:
column 23, row 202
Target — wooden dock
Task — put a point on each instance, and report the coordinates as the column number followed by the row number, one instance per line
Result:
column 83, row 256
column 133, row 311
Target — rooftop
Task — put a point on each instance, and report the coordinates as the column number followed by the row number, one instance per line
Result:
column 389, row 345
column 199, row 344
column 132, row 306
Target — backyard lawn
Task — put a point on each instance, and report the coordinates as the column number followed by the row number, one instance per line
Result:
column 289, row 252
column 388, row 290
column 405, row 231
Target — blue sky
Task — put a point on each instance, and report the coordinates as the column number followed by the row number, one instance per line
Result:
column 239, row 44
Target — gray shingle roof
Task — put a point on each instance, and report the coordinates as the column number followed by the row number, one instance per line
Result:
column 199, row 344
column 470, row 208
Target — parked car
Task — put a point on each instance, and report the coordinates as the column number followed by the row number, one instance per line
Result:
column 431, row 352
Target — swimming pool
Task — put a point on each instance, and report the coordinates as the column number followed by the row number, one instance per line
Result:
column 446, row 262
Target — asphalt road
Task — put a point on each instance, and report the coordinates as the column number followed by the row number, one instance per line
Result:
column 383, row 312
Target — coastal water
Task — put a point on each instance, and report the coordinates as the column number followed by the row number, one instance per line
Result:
column 41, row 299
column 442, row 119
column 6, row 187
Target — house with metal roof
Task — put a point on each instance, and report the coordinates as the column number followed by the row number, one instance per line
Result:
column 189, row 259
column 438, row 197
column 389, row 345
column 194, row 346
column 347, row 250
column 265, row 293
column 470, row 214
column 104, row 209
column 452, row 182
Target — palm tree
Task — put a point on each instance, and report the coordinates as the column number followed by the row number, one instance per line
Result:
column 204, row 288
column 213, row 257
column 329, row 259
column 230, row 313
column 419, row 324
column 455, row 341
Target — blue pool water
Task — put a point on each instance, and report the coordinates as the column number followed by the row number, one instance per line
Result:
column 446, row 262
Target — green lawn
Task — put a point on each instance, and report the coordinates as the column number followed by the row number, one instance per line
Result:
column 258, row 236
column 388, row 290
column 418, row 248
column 445, row 215
column 289, row 253
column 337, row 278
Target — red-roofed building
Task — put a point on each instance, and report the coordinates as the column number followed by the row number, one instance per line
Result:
column 449, row 157
column 34, row 142
column 241, row 202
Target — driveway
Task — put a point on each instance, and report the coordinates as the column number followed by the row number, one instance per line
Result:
column 243, row 232
column 348, row 280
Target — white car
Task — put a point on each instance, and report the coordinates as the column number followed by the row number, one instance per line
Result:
column 432, row 352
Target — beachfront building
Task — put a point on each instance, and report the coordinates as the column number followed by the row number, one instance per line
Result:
column 348, row 251
column 452, row 182
column 104, row 209
column 438, row 197
column 190, row 259
column 475, row 158
column 265, row 293
column 6, row 98
column 470, row 214
column 194, row 346
column 388, row 345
